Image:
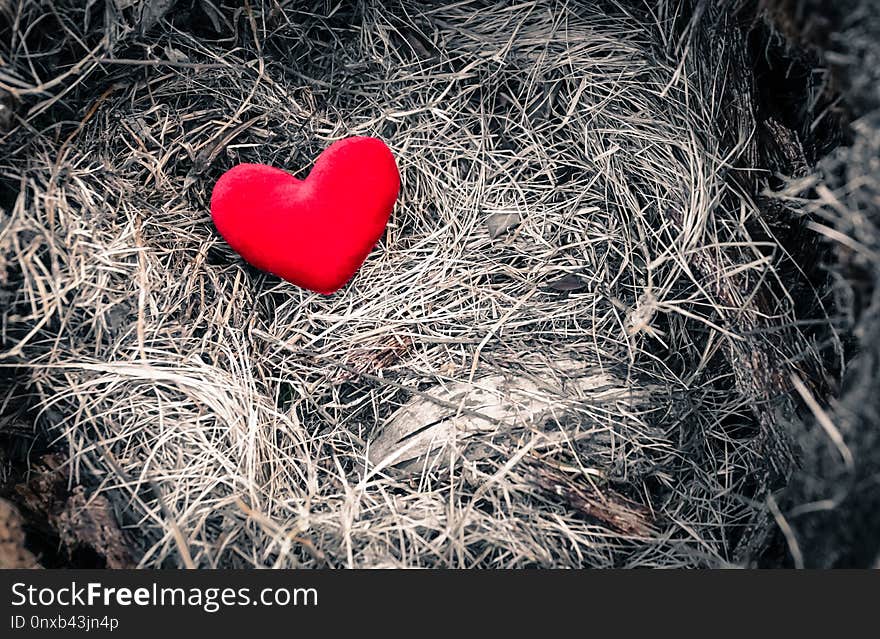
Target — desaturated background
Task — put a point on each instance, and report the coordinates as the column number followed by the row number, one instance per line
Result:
column 625, row 313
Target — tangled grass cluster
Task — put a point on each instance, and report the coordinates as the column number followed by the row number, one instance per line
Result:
column 580, row 184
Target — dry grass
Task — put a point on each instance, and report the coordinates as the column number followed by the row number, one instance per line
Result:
column 228, row 414
column 833, row 500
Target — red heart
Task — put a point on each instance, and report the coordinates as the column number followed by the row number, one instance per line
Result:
column 316, row 232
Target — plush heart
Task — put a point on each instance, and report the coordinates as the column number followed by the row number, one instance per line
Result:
column 315, row 232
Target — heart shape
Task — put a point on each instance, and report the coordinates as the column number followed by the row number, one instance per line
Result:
column 315, row 232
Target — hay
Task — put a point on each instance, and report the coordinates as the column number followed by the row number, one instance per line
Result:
column 832, row 502
column 229, row 415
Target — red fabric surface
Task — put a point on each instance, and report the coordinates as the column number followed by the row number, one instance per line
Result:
column 316, row 232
